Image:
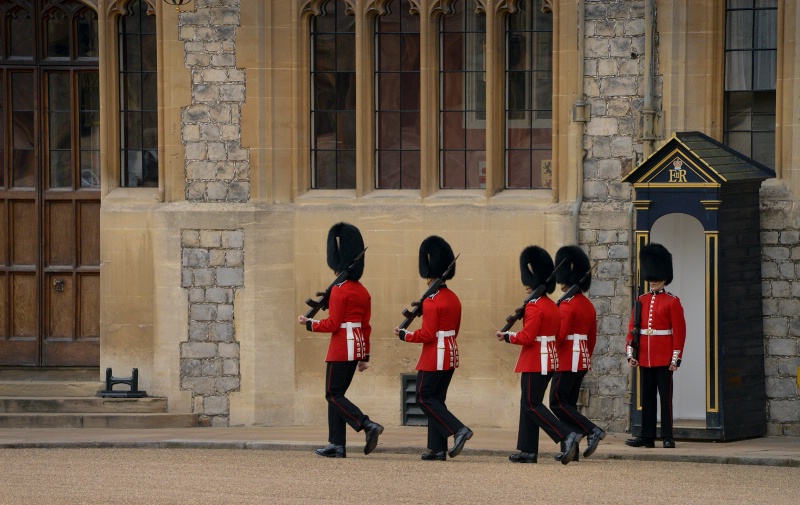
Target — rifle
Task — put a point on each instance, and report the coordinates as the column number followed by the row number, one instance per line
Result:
column 324, row 296
column 536, row 293
column 416, row 311
column 573, row 290
column 636, row 332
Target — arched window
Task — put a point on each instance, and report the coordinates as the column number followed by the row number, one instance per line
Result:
column 529, row 97
column 462, row 92
column 138, row 92
column 397, row 98
column 333, row 98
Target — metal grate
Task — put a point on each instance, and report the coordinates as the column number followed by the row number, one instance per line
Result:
column 412, row 414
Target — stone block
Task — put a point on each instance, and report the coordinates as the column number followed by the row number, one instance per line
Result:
column 194, row 257
column 229, row 350
column 224, row 312
column 198, row 331
column 215, row 405
column 219, row 295
column 230, row 276
column 230, row 366
column 203, row 312
column 234, row 258
column 782, row 387
column 227, row 384
column 233, row 239
column 199, row 385
column 216, row 191
column 216, row 257
column 221, row 332
column 781, row 346
column 203, row 277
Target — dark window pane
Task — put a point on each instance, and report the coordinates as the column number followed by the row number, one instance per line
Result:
column 150, row 91
column 150, row 130
column 21, row 44
column 90, row 169
column 150, row 169
column 453, row 165
column 411, row 166
column 389, row 90
column 90, row 130
column 58, row 91
column 2, row 132
column 452, row 90
column 22, row 132
column 764, row 148
column 148, row 57
column 765, row 69
column 60, row 130
column 22, row 89
column 346, row 91
column 23, row 168
column 518, row 173
column 389, row 166
column 452, row 127
column 409, row 91
column 89, row 91
column 57, row 30
column 60, row 169
column 132, row 92
column 740, row 141
column 131, row 53
column 389, row 52
column 324, row 48
column 739, row 32
column 346, row 129
column 410, row 130
column 325, row 170
column 87, row 34
column 132, row 130
column 765, row 34
column 132, row 168
column 388, row 126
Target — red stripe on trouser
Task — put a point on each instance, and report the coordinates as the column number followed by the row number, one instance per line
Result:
column 558, row 398
column 330, row 395
column 530, row 405
column 419, row 395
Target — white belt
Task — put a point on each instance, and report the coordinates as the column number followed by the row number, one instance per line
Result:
column 441, row 335
column 544, row 352
column 351, row 352
column 576, row 349
column 650, row 331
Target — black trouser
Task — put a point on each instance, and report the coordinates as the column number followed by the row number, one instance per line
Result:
column 340, row 409
column 564, row 392
column 534, row 415
column 431, row 396
column 656, row 379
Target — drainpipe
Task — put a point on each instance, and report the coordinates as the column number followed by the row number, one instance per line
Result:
column 581, row 114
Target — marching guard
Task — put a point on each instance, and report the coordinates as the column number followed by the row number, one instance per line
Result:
column 537, row 360
column 660, row 347
column 348, row 323
column 575, row 341
column 441, row 321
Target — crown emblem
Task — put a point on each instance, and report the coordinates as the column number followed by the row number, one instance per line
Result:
column 677, row 164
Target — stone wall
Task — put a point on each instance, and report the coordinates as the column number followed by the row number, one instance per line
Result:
column 217, row 166
column 613, row 77
column 213, row 270
column 780, row 277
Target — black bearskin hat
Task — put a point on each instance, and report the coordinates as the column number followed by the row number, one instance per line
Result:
column 344, row 246
column 535, row 266
column 435, row 255
column 656, row 263
column 576, row 264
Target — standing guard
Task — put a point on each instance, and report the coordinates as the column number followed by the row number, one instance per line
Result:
column 441, row 320
column 348, row 323
column 575, row 341
column 537, row 360
column 660, row 346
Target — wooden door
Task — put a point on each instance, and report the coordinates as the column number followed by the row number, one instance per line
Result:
column 49, row 184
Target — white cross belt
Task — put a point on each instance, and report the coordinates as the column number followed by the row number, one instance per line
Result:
column 544, row 352
column 351, row 351
column 441, row 335
column 576, row 349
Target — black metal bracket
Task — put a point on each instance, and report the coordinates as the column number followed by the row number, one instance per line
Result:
column 132, row 381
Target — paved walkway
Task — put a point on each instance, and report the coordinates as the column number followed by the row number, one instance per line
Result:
column 770, row 451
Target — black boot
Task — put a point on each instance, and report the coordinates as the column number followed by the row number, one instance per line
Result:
column 523, row 457
column 594, row 438
column 332, row 451
column 560, row 455
column 461, row 438
column 641, row 442
column 434, row 456
column 570, row 447
column 372, row 430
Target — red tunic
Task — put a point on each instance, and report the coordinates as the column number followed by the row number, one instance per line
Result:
column 540, row 326
column 577, row 334
column 349, row 303
column 663, row 314
column 441, row 320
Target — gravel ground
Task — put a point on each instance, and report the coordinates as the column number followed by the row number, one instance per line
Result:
column 172, row 476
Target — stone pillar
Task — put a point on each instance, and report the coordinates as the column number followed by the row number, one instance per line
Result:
column 212, row 271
